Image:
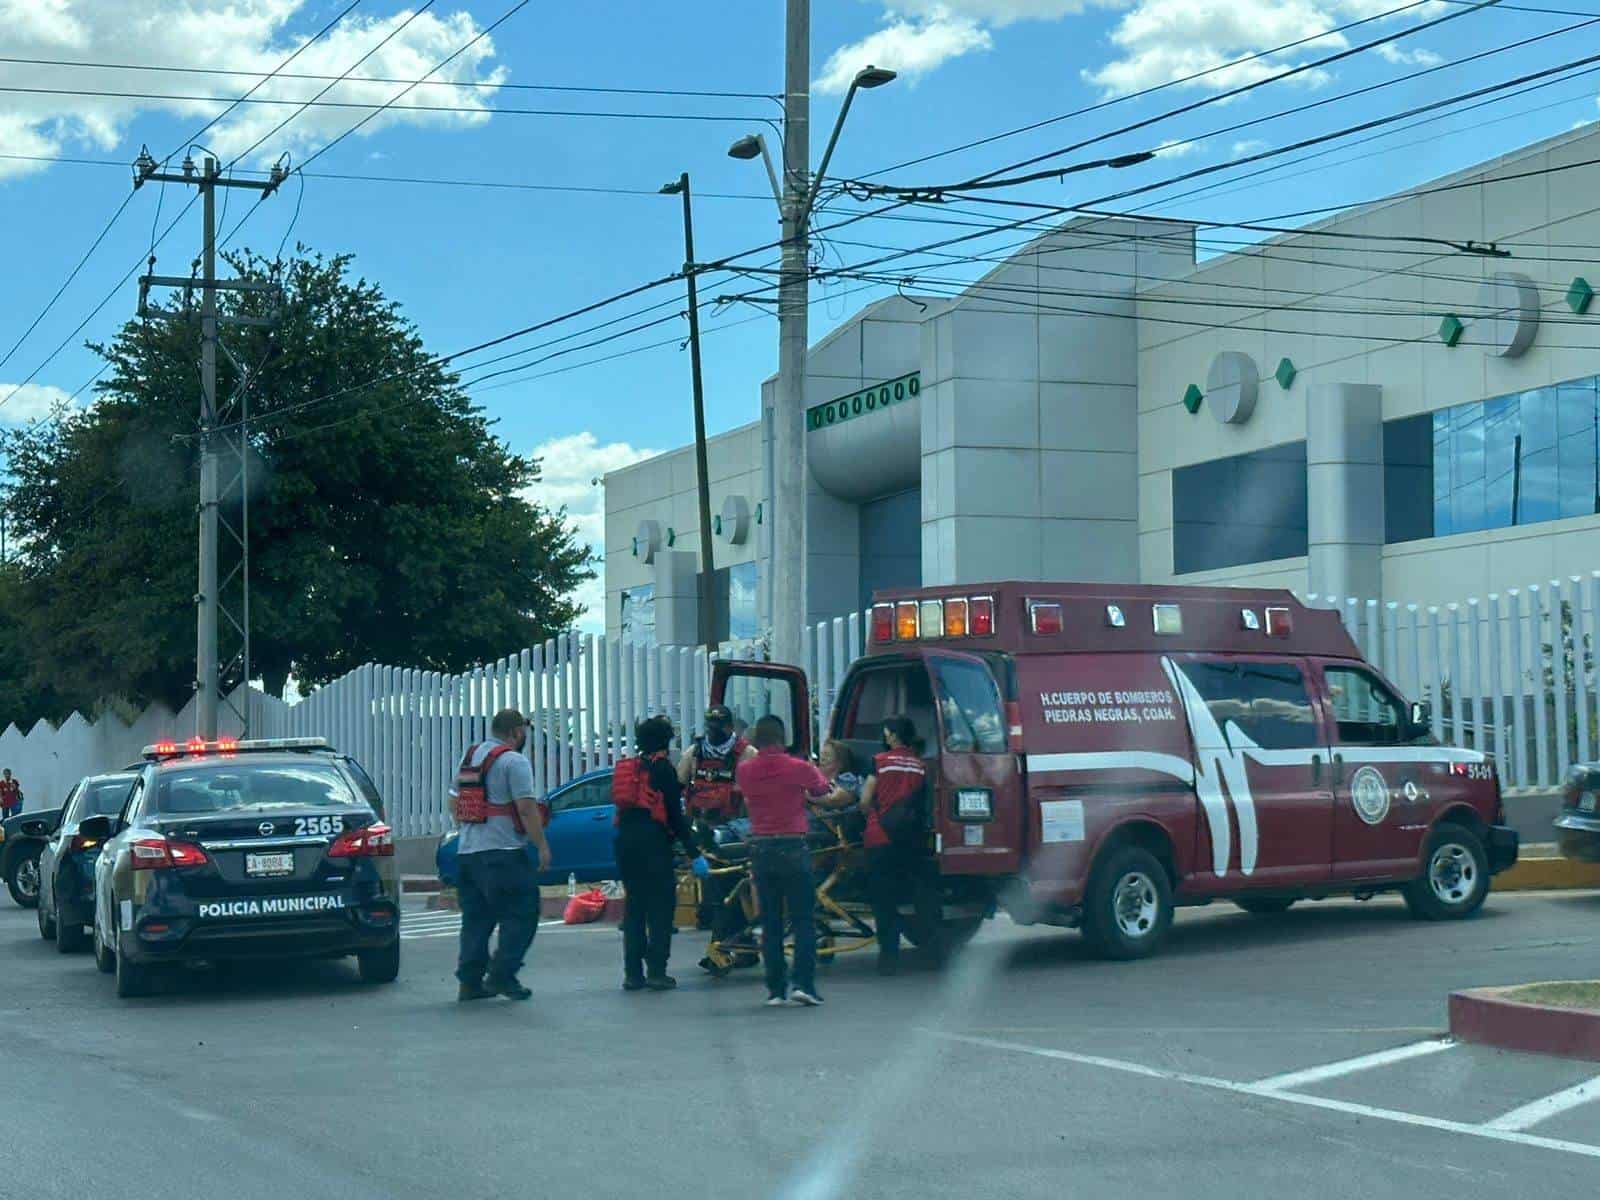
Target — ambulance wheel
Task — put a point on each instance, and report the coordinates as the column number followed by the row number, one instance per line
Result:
column 380, row 966
column 1455, row 876
column 1266, row 906
column 1127, row 907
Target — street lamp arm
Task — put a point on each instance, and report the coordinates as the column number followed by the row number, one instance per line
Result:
column 810, row 197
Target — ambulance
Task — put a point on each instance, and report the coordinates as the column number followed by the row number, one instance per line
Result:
column 1100, row 754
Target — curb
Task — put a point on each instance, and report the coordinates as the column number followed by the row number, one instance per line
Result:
column 1547, row 874
column 1487, row 1017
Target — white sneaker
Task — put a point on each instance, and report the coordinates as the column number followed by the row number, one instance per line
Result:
column 777, row 1002
column 804, row 999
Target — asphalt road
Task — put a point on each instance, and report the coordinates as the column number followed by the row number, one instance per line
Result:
column 1026, row 1070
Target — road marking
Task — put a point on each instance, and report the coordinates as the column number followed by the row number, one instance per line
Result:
column 1543, row 1109
column 1515, row 1137
column 1349, row 1066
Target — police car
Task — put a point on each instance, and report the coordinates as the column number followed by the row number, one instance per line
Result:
column 245, row 849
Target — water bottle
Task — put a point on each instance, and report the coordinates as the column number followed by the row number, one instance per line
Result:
column 572, row 884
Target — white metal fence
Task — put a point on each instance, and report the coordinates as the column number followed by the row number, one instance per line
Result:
column 1512, row 674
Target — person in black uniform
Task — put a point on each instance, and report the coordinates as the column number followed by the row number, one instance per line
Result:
column 650, row 817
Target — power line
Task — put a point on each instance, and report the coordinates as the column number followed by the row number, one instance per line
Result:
column 484, row 85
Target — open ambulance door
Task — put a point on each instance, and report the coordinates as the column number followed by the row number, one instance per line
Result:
column 753, row 690
column 976, row 786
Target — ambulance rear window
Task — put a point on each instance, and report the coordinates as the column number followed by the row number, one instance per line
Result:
column 969, row 708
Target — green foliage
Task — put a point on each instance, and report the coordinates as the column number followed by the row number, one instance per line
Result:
column 387, row 523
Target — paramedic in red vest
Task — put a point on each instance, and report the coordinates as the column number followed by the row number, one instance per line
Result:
column 649, row 801
column 707, row 768
column 10, row 796
column 896, row 837
column 499, row 885
column 776, row 786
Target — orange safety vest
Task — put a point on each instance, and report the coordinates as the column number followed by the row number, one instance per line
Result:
column 631, row 788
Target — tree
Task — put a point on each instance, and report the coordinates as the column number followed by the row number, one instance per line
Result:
column 387, row 522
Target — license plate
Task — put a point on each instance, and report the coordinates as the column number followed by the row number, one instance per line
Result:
column 1586, row 802
column 269, row 864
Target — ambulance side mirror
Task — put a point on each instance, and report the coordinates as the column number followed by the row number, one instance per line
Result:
column 1421, row 715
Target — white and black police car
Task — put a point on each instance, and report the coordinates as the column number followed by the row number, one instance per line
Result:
column 229, row 850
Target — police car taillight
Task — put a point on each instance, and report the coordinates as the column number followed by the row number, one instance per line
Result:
column 375, row 841
column 1280, row 623
column 1046, row 618
column 158, row 853
column 882, row 623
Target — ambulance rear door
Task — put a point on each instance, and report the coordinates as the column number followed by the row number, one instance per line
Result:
column 753, row 690
column 977, row 790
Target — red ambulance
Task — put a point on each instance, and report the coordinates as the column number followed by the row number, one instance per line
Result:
column 1102, row 753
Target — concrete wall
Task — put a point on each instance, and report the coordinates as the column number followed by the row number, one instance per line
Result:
column 1367, row 312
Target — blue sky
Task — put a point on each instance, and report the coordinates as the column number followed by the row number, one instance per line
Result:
column 468, row 263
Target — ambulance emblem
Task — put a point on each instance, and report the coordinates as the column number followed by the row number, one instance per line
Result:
column 1370, row 795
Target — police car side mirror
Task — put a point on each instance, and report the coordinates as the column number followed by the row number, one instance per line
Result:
column 95, row 828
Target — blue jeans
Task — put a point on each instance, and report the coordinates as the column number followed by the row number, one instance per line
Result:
column 782, row 868
column 497, row 887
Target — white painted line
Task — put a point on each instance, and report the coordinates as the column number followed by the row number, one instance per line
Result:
column 1543, row 1109
column 1250, row 1089
column 1349, row 1066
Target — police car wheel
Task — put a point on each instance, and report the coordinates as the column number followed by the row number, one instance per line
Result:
column 380, row 966
column 1455, row 876
column 132, row 979
column 103, row 958
column 1127, row 907
column 47, row 928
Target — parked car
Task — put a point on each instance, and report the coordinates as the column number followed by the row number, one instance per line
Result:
column 66, row 866
column 580, row 833
column 1578, row 825
column 22, row 840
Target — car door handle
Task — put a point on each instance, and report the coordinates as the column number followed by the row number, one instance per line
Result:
column 1316, row 769
column 601, row 816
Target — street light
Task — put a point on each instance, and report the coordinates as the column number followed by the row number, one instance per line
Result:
column 786, row 447
column 680, row 187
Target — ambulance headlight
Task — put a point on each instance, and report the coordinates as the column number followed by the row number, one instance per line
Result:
column 974, row 804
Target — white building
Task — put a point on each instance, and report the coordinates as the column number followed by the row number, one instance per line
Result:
column 1374, row 408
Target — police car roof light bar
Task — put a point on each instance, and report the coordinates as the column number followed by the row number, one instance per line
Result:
column 228, row 745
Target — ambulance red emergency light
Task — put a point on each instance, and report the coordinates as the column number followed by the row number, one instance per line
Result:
column 1101, row 753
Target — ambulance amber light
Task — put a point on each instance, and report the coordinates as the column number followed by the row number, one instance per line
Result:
column 930, row 618
column 883, row 623
column 1168, row 618
column 905, row 621
column 955, row 618
column 1279, row 622
column 980, row 620
column 1046, row 618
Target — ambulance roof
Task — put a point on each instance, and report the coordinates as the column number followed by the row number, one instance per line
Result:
column 1104, row 618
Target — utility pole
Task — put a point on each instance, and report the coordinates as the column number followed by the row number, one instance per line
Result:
column 788, row 551
column 207, row 598
column 702, row 473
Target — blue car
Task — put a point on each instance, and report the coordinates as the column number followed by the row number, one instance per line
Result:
column 67, row 862
column 580, row 833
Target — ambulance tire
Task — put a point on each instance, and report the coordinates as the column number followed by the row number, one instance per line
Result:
column 1266, row 906
column 1127, row 907
column 1455, row 876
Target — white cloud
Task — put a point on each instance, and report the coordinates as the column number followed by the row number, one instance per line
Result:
column 1392, row 53
column 1248, row 146
column 912, row 46
column 1173, row 148
column 251, row 35
column 571, row 469
column 30, row 402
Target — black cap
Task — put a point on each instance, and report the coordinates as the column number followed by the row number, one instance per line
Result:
column 720, row 712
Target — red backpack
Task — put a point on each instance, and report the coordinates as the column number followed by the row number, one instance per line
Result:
column 630, row 788
column 472, row 791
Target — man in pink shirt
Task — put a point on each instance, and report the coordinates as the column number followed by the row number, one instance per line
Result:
column 775, row 785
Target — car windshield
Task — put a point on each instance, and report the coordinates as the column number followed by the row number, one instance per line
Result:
column 103, row 797
column 236, row 784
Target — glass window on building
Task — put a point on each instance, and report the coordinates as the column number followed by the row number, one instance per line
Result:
column 639, row 616
column 744, row 621
column 1245, row 509
column 1513, row 460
